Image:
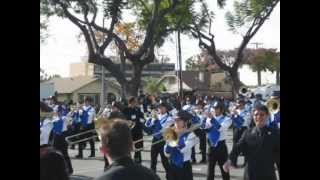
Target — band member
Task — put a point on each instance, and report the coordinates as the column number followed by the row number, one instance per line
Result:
column 188, row 106
column 87, row 115
column 154, row 126
column 76, row 122
column 46, row 125
column 258, row 101
column 116, row 140
column 274, row 120
column 179, row 150
column 133, row 113
column 216, row 126
column 261, row 146
column 200, row 133
column 241, row 119
column 195, row 119
column 59, row 132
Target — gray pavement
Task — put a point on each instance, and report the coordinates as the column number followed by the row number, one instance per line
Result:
column 93, row 167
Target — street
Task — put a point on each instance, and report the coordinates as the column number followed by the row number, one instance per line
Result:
column 93, row 167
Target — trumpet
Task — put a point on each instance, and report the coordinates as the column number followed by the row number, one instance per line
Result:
column 273, row 105
column 169, row 135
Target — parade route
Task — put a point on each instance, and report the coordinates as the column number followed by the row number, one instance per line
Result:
column 93, row 167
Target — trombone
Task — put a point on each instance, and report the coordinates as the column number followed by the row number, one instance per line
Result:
column 47, row 114
column 168, row 135
column 95, row 133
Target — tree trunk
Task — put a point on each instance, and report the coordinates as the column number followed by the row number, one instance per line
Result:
column 133, row 86
column 236, row 83
column 259, row 77
column 278, row 77
column 123, row 70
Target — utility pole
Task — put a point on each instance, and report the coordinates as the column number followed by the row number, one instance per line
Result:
column 180, row 66
column 258, row 71
column 102, row 75
column 257, row 44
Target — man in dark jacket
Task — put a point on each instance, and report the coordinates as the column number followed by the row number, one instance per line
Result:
column 133, row 113
column 117, row 144
column 261, row 147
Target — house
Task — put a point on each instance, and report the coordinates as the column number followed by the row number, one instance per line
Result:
column 155, row 70
column 77, row 88
column 199, row 82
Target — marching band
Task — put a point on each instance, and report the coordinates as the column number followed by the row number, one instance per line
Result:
column 175, row 129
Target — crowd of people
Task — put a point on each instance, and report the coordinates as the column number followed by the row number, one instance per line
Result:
column 193, row 119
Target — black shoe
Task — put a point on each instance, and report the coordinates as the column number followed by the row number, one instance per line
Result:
column 72, row 147
column 79, row 157
column 203, row 161
column 194, row 161
column 71, row 172
column 92, row 155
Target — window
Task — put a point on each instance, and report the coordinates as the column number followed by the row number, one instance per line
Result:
column 95, row 98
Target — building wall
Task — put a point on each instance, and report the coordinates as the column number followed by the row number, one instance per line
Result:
column 217, row 82
column 64, row 97
column 81, row 69
column 46, row 90
column 93, row 88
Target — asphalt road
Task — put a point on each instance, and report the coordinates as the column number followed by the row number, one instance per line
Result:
column 93, row 167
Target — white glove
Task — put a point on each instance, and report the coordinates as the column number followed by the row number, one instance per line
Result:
column 142, row 120
column 226, row 166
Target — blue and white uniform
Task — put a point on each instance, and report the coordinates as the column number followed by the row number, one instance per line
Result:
column 218, row 152
column 59, row 131
column 217, row 128
column 154, row 126
column 187, row 107
column 242, row 118
column 182, row 152
column 274, row 120
column 45, row 127
column 87, row 115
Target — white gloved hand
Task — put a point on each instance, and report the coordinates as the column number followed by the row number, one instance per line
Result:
column 142, row 120
column 226, row 166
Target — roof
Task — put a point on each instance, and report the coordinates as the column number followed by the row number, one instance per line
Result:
column 175, row 87
column 191, row 78
column 70, row 84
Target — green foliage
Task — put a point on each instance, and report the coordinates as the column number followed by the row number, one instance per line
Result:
column 45, row 77
column 246, row 11
column 113, row 8
column 194, row 64
column 264, row 59
column 153, row 87
column 180, row 18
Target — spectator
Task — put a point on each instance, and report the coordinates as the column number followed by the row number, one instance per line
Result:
column 116, row 141
column 52, row 164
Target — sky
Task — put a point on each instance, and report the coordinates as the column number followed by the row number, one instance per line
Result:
column 63, row 47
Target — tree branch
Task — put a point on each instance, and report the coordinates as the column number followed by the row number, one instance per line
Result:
column 211, row 50
column 256, row 25
column 156, row 18
column 145, row 6
column 84, row 30
column 93, row 36
column 112, row 68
